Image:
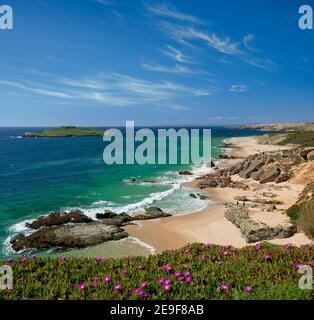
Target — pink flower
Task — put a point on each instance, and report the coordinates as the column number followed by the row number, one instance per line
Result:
column 167, row 268
column 186, row 274
column 167, row 282
column 98, row 260
column 208, row 245
column 23, row 260
column 248, row 288
column 95, row 283
column 62, row 258
column 266, row 257
column 185, row 265
column 177, row 274
column 9, row 260
column 160, row 280
column 181, row 278
column 188, row 279
column 143, row 284
column 33, row 256
column 298, row 265
column 258, row 246
column 167, row 287
column 106, row 279
column 82, row 286
column 288, row 245
column 126, row 257
column 124, row 271
column 204, row 257
column 186, row 251
column 310, row 263
column 117, row 287
column 225, row 253
column 140, row 267
column 138, row 291
column 224, row 287
column 225, row 247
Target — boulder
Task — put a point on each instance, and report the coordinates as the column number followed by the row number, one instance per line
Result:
column 192, row 195
column 283, row 176
column 310, row 156
column 150, row 213
column 304, row 152
column 59, row 218
column 270, row 173
column 106, row 215
column 185, row 173
column 254, row 231
column 69, row 236
column 253, row 166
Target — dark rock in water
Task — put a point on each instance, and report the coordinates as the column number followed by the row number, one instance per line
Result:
column 17, row 238
column 59, row 218
column 192, row 195
column 223, row 156
column 212, row 164
column 106, row 215
column 202, row 196
column 150, row 213
column 185, row 173
column 70, row 236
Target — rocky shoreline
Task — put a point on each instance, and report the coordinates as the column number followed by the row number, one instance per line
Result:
column 74, row 229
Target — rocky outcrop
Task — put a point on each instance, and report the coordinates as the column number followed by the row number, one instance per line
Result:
column 149, row 213
column 185, row 173
column 69, row 236
column 264, row 167
column 59, row 218
column 254, row 231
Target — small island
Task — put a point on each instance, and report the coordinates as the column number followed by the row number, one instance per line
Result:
column 65, row 131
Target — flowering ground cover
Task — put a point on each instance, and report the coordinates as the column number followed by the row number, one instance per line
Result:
column 197, row 271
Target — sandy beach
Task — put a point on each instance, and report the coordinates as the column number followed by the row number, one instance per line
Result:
column 210, row 225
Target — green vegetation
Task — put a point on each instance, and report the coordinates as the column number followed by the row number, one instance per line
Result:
column 303, row 138
column 197, row 271
column 66, row 131
column 303, row 211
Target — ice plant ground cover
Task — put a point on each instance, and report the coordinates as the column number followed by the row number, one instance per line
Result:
column 197, row 271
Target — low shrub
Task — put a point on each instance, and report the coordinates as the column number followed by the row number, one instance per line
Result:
column 197, row 271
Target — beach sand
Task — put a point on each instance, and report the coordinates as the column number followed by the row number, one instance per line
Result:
column 210, row 225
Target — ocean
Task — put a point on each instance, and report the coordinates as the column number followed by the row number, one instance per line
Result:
column 38, row 176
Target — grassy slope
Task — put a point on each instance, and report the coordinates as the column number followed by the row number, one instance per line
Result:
column 209, row 268
column 303, row 138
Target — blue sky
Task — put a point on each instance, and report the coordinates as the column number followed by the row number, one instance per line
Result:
column 102, row 62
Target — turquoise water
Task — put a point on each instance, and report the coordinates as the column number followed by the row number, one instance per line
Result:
column 38, row 176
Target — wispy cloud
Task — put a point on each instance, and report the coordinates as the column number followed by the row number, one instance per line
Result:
column 168, row 11
column 176, row 54
column 239, row 88
column 112, row 89
column 184, row 34
column 247, row 40
column 177, row 69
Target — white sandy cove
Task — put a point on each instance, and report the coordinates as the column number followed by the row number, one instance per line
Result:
column 210, row 225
